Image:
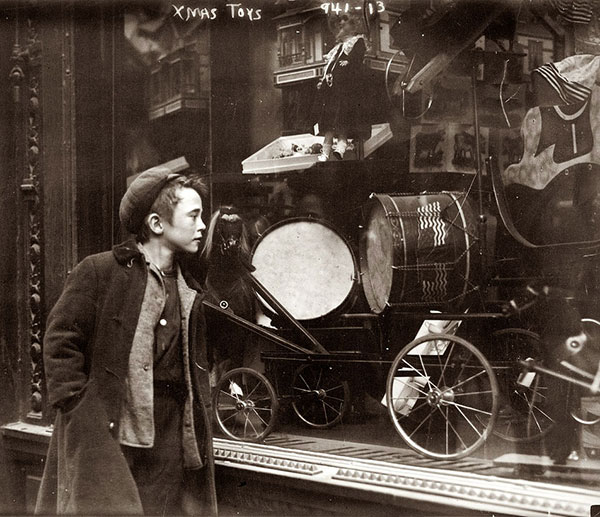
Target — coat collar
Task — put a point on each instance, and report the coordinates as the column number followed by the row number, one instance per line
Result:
column 127, row 252
column 350, row 42
column 346, row 45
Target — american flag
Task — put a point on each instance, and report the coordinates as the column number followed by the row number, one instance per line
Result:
column 574, row 11
column 569, row 92
column 568, row 81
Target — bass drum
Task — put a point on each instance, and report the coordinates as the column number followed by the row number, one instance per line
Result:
column 307, row 266
column 417, row 250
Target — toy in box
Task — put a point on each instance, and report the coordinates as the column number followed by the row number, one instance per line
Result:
column 297, row 152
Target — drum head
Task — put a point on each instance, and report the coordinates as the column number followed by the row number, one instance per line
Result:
column 307, row 266
column 377, row 258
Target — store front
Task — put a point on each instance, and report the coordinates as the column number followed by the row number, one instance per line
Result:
column 414, row 344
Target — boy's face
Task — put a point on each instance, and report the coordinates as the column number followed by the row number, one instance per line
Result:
column 184, row 231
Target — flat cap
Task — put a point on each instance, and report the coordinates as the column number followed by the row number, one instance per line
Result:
column 141, row 194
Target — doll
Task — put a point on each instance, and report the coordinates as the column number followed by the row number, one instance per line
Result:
column 341, row 99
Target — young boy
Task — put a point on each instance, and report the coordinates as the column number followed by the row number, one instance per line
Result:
column 126, row 367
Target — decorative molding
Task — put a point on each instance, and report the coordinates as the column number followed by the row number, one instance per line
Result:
column 16, row 74
column 501, row 500
column 425, row 485
column 35, row 230
column 297, row 466
column 25, row 80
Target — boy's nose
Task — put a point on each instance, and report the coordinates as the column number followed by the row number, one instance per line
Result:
column 201, row 225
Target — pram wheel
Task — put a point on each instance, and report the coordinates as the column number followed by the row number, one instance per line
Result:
column 320, row 398
column 524, row 416
column 442, row 396
column 245, row 405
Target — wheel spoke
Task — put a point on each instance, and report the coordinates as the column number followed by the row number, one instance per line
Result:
column 262, row 399
column 474, row 376
column 229, row 417
column 465, row 393
column 336, row 388
column 415, row 409
column 256, row 386
column 460, row 407
column 333, row 408
column 427, row 377
column 426, row 419
column 447, row 433
column 532, row 416
column 302, row 389
column 329, row 397
column 225, row 407
column 325, row 412
column 456, row 433
column 509, row 426
column 246, row 422
column 468, row 420
column 305, row 382
column 420, row 374
column 417, row 388
column 267, row 409
column 445, row 365
column 264, row 422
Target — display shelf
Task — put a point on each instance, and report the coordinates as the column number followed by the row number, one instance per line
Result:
column 279, row 155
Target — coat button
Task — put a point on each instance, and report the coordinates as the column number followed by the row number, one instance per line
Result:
column 111, row 425
column 146, row 367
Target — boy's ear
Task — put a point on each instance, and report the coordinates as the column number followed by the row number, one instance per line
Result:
column 155, row 223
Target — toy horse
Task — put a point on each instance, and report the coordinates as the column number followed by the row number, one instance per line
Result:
column 226, row 252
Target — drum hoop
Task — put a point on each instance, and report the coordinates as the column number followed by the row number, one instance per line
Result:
column 467, row 243
column 303, row 219
column 404, row 248
column 457, row 193
column 307, row 219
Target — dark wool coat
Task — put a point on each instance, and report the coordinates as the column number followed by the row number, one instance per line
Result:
column 86, row 350
column 342, row 100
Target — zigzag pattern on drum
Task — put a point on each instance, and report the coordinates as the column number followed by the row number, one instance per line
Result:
column 430, row 216
column 436, row 290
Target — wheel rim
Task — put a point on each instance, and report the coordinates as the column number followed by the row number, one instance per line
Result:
column 442, row 396
column 245, row 405
column 523, row 416
column 320, row 398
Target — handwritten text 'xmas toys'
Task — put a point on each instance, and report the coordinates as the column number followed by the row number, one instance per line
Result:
column 234, row 11
column 239, row 11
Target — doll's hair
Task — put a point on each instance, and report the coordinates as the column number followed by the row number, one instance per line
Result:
column 361, row 13
column 355, row 19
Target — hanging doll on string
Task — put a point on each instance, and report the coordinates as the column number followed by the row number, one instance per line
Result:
column 341, row 90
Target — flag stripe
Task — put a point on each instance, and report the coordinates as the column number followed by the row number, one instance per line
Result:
column 570, row 92
column 574, row 11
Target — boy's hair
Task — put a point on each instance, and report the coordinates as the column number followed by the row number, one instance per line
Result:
column 167, row 199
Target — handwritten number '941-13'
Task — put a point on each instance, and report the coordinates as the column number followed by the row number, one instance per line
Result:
column 345, row 7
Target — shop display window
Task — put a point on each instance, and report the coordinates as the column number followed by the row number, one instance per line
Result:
column 412, row 326
column 430, row 298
